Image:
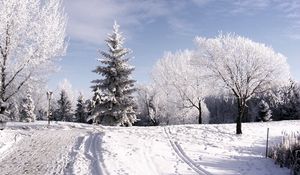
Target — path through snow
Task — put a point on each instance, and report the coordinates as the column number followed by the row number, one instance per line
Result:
column 69, row 148
column 40, row 152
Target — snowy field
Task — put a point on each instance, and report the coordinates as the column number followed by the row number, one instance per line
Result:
column 69, row 148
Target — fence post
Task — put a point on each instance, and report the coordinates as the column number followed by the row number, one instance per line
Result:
column 267, row 143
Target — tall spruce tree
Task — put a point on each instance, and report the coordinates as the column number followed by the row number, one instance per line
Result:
column 27, row 108
column 64, row 111
column 117, row 106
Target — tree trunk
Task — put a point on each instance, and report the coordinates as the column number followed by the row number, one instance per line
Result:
column 4, row 54
column 241, row 107
column 199, row 112
column 3, row 83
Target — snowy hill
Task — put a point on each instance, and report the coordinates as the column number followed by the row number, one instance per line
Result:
column 70, row 148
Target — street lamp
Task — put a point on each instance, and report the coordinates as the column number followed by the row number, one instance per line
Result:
column 49, row 95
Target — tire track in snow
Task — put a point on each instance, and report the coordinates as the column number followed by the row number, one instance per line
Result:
column 180, row 153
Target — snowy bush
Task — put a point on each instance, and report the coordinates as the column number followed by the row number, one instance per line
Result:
column 264, row 112
column 287, row 153
column 27, row 109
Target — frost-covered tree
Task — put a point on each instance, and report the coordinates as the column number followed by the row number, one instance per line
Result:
column 264, row 111
column 68, row 88
column 64, row 110
column 32, row 37
column 80, row 112
column 118, row 106
column 175, row 75
column 27, row 109
column 244, row 67
column 148, row 109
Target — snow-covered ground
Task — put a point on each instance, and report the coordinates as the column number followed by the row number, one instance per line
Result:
column 69, row 148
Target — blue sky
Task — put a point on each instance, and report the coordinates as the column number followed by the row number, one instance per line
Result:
column 152, row 27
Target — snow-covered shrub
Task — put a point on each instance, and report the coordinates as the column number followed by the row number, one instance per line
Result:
column 287, row 153
column 27, row 109
column 264, row 112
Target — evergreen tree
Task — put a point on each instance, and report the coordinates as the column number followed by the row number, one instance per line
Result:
column 27, row 108
column 80, row 112
column 64, row 111
column 264, row 113
column 117, row 104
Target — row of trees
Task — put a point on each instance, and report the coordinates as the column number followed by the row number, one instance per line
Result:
column 228, row 78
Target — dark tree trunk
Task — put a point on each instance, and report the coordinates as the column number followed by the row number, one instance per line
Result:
column 4, row 54
column 241, row 109
column 199, row 112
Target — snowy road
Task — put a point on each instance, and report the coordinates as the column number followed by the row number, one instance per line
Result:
column 40, row 152
column 60, row 149
column 69, row 148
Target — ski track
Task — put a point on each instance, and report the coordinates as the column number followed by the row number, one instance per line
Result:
column 85, row 157
column 179, row 151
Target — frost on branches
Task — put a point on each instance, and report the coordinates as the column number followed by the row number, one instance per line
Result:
column 117, row 107
column 244, row 67
column 32, row 36
column 182, row 85
column 27, row 109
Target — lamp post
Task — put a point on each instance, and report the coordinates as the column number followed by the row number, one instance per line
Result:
column 49, row 95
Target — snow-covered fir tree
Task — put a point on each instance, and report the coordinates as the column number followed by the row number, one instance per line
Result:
column 80, row 112
column 64, row 111
column 27, row 109
column 117, row 106
column 264, row 112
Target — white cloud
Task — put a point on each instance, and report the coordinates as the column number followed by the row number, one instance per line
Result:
column 91, row 21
